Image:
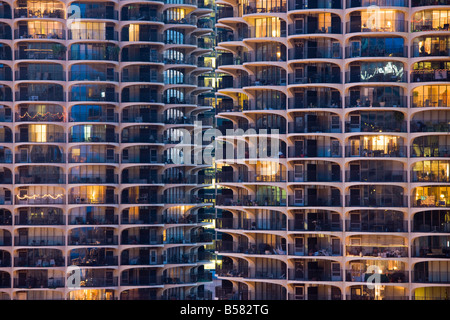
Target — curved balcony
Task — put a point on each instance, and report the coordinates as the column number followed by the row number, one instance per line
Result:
column 97, row 51
column 384, row 98
column 40, row 92
column 380, row 196
column 40, row 217
column 430, row 196
column 380, row 3
column 41, row 10
column 97, row 133
column 80, row 34
column 317, row 24
column 420, row 3
column 97, row 94
column 40, row 51
column 431, row 221
column 391, row 26
column 42, row 241
column 86, row 257
column 96, row 10
column 427, row 46
column 321, row 4
column 92, row 215
column 38, row 258
column 44, row 33
column 431, row 247
column 376, row 221
column 88, row 236
column 92, row 154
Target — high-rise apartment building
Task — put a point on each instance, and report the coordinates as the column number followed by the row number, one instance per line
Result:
column 95, row 97
column 358, row 195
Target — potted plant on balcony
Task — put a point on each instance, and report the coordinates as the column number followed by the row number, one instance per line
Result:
column 58, row 51
column 383, row 102
column 112, row 52
column 398, row 116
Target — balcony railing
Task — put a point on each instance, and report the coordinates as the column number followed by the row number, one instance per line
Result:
column 430, row 75
column 376, row 175
column 29, row 13
column 419, row 3
column 319, row 201
column 324, row 126
column 108, row 97
column 40, row 158
column 251, row 224
column 92, row 220
column 89, row 117
column 377, row 251
column 94, row 262
column 93, row 76
column 40, row 221
column 394, row 276
column 319, row 274
column 92, row 157
column 428, row 250
column 424, row 26
column 335, row 28
column 376, row 126
column 319, row 52
column 91, row 34
column 376, row 102
column 100, row 282
column 430, row 126
column 319, row 77
column 101, row 13
column 388, row 26
column 94, row 178
column 378, row 77
column 321, row 101
column 429, row 101
column 315, row 225
column 43, row 75
column 322, row 4
column 379, row 3
column 58, row 199
column 257, row 176
column 377, row 200
column 40, row 117
column 430, row 277
column 376, row 226
column 222, row 200
column 318, row 152
column 40, row 179
column 40, row 96
column 54, row 34
column 376, row 51
column 323, row 176
column 39, row 241
column 89, row 199
column 108, row 138
column 274, row 7
column 398, row 151
column 38, row 282
column 97, row 240
column 39, row 55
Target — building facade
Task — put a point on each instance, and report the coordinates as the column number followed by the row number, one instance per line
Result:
column 95, row 97
column 356, row 204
